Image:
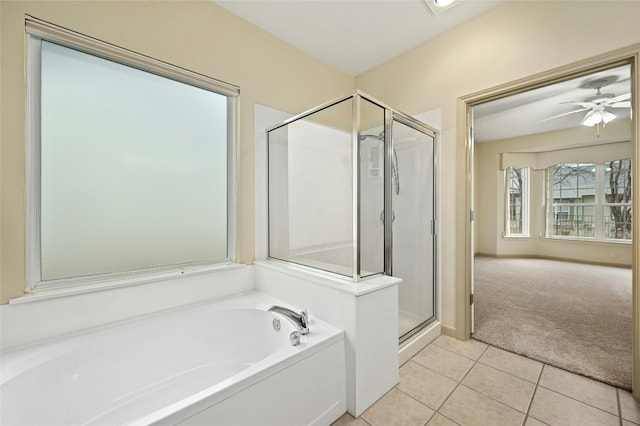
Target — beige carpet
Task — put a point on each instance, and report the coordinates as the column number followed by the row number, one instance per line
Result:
column 573, row 316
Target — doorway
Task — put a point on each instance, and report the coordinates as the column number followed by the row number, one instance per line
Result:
column 627, row 57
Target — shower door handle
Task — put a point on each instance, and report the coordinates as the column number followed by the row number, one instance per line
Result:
column 393, row 216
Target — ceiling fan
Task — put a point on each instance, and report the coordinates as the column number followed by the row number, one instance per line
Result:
column 597, row 106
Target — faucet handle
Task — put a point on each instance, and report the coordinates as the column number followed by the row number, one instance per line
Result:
column 294, row 338
column 304, row 321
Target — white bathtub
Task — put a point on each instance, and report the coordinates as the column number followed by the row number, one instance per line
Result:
column 219, row 363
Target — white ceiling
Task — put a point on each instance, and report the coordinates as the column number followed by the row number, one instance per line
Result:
column 523, row 114
column 354, row 35
column 357, row 35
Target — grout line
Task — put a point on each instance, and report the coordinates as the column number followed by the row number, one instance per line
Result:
column 535, row 390
column 536, row 386
column 502, row 402
column 418, row 401
column 500, row 371
column 451, row 420
column 437, row 372
column 435, row 411
column 581, row 401
column 458, row 385
column 364, row 420
column 507, row 373
column 577, row 400
column 573, row 398
column 396, row 387
column 516, row 355
column 457, row 353
column 619, row 407
column 433, row 371
column 414, row 398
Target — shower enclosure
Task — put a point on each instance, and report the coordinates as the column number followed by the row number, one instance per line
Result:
column 351, row 191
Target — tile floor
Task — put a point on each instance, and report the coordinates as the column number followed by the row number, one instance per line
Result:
column 470, row 383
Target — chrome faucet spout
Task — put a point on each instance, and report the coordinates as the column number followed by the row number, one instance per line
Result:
column 300, row 320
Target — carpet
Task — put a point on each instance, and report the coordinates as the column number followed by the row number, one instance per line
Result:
column 573, row 316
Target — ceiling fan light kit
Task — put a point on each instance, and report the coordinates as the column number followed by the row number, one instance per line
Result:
column 594, row 117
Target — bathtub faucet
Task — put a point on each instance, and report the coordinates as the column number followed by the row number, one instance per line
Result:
column 301, row 320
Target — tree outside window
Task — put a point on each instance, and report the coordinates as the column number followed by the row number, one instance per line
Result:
column 517, row 202
column 618, row 200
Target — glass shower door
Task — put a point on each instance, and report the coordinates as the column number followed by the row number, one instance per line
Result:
column 413, row 257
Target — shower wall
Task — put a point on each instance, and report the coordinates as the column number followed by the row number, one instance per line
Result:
column 371, row 138
column 313, row 207
column 320, row 178
column 372, row 199
column 316, row 173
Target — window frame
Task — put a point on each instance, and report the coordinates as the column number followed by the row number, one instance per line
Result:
column 605, row 204
column 599, row 206
column 37, row 31
column 525, row 201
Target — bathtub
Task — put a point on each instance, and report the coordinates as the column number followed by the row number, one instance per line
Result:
column 216, row 363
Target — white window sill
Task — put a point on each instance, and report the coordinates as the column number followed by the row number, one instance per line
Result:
column 587, row 240
column 73, row 289
column 516, row 237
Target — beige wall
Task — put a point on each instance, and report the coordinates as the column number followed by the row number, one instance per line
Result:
column 199, row 36
column 513, row 41
column 547, row 148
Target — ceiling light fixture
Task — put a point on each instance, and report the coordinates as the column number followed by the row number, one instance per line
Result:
column 598, row 116
column 439, row 6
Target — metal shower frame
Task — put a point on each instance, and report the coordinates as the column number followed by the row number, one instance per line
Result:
column 390, row 115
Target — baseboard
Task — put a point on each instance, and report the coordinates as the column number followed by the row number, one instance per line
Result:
column 561, row 259
column 489, row 255
column 418, row 342
column 448, row 331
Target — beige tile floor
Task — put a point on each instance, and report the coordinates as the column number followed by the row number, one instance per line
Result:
column 470, row 383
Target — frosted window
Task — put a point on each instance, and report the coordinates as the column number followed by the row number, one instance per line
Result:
column 133, row 168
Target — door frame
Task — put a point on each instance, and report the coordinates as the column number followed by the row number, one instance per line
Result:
column 629, row 55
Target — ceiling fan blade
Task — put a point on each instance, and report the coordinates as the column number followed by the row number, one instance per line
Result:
column 623, row 104
column 585, row 105
column 562, row 115
column 619, row 98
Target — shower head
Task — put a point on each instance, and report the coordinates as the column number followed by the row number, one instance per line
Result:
column 394, row 166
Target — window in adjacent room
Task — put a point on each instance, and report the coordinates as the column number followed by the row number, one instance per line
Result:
column 131, row 162
column 517, row 214
column 617, row 200
column 589, row 200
